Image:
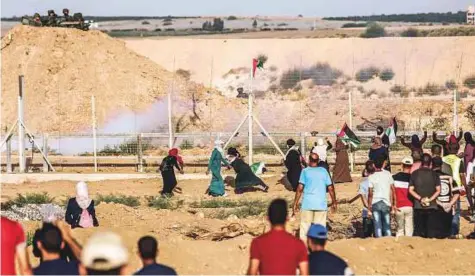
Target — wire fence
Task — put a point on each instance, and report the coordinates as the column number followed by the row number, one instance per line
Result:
column 349, row 81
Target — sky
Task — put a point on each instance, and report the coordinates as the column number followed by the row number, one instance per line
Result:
column 309, row 8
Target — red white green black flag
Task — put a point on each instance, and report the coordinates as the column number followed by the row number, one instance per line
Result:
column 256, row 63
column 348, row 136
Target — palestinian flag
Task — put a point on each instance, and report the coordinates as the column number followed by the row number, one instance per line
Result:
column 348, row 136
column 256, row 63
column 391, row 131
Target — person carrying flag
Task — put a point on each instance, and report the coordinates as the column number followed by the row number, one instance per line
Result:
column 341, row 171
column 388, row 138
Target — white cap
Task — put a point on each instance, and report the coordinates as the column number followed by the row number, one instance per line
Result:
column 408, row 160
column 104, row 251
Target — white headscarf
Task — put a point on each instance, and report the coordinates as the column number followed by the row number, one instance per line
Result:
column 321, row 150
column 294, row 147
column 218, row 144
column 82, row 195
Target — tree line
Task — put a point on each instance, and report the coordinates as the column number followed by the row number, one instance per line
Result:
column 116, row 18
column 448, row 17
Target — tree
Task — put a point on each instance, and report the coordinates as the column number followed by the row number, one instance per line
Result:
column 386, row 74
column 232, row 17
column 254, row 24
column 374, row 30
column 470, row 82
column 410, row 32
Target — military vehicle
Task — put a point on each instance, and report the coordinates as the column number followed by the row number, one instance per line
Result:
column 52, row 20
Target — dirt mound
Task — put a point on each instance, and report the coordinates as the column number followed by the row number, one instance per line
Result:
column 63, row 68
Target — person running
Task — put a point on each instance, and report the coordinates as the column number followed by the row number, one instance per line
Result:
column 277, row 252
column 50, row 246
column 148, row 252
column 404, row 205
column 381, row 198
column 13, row 247
column 167, row 171
column 424, row 187
column 80, row 211
column 449, row 195
column 314, row 183
column 450, row 138
column 320, row 261
column 293, row 163
column 104, row 254
column 377, row 150
column 416, row 144
column 216, row 187
column 341, row 170
column 246, row 180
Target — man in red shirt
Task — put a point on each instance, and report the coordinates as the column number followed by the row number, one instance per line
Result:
column 13, row 247
column 404, row 213
column 278, row 252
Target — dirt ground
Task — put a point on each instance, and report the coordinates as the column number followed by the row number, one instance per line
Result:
column 191, row 256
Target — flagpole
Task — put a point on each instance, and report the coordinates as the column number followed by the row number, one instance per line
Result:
column 352, row 163
column 250, row 117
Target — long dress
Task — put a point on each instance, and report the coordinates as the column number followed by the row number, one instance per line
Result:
column 168, row 174
column 294, row 167
column 216, row 187
column 245, row 178
column 341, row 171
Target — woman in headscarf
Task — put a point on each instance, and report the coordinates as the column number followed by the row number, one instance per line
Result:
column 293, row 163
column 416, row 144
column 341, row 170
column 469, row 151
column 216, row 187
column 377, row 150
column 245, row 178
column 321, row 149
column 80, row 211
column 173, row 160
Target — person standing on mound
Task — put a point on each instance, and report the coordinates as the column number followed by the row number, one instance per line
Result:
column 245, row 178
column 216, row 187
column 167, row 171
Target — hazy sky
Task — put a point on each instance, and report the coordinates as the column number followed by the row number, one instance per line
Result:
column 232, row 7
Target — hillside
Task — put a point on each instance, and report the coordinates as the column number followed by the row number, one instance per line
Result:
column 63, row 68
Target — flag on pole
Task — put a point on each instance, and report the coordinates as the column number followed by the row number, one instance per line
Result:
column 391, row 131
column 348, row 136
column 256, row 63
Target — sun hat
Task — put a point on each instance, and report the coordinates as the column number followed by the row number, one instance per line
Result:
column 104, row 251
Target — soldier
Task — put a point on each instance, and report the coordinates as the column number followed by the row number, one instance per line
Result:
column 66, row 15
column 37, row 20
column 52, row 18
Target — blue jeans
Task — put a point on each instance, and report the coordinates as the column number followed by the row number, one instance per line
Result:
column 381, row 219
column 455, row 230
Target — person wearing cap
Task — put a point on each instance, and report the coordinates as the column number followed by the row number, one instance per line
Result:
column 293, row 163
column 148, row 251
column 51, row 245
column 449, row 195
column 424, row 187
column 314, row 183
column 404, row 210
column 104, row 254
column 278, row 252
column 381, row 198
column 320, row 261
column 216, row 187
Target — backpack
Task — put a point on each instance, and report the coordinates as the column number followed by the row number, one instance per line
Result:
column 85, row 220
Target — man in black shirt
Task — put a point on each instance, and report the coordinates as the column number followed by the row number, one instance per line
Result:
column 424, row 187
column 320, row 261
column 446, row 200
column 148, row 250
column 50, row 246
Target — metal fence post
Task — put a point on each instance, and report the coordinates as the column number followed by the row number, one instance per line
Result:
column 139, row 153
column 45, row 151
column 303, row 146
column 9, row 156
column 21, row 129
column 94, row 136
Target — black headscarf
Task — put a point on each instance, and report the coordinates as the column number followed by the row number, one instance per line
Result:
column 468, row 138
column 415, row 141
column 379, row 130
column 233, row 152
